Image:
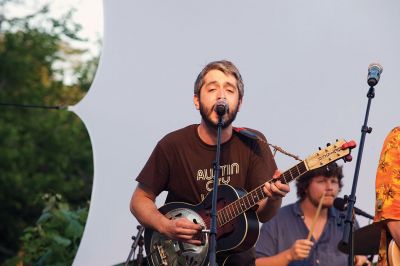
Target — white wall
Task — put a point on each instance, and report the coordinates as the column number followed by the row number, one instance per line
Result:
column 304, row 65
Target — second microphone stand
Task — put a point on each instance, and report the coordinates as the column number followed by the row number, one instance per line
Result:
column 347, row 240
column 137, row 241
column 213, row 229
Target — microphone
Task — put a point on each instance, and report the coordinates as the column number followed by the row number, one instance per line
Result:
column 341, row 205
column 374, row 73
column 221, row 107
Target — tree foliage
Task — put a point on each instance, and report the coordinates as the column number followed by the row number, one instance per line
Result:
column 55, row 237
column 41, row 150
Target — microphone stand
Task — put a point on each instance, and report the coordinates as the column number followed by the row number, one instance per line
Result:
column 347, row 240
column 137, row 240
column 213, row 229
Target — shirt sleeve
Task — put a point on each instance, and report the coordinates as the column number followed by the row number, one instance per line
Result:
column 155, row 173
column 387, row 183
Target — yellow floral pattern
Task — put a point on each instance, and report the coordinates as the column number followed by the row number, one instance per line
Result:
column 387, row 185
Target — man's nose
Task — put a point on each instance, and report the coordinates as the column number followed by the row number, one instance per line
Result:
column 329, row 185
column 221, row 93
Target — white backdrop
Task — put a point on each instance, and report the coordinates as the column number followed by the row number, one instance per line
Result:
column 304, row 64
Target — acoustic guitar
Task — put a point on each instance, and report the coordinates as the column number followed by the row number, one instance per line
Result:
column 237, row 222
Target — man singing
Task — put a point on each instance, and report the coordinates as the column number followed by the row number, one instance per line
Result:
column 181, row 162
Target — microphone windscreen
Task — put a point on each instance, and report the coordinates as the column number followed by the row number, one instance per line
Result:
column 375, row 66
column 221, row 107
column 340, row 204
column 374, row 73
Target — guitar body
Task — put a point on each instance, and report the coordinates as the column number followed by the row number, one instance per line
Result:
column 239, row 234
column 394, row 254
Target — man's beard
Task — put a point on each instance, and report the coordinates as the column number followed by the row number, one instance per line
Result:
column 206, row 114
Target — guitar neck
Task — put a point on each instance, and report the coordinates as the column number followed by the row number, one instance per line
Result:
column 248, row 201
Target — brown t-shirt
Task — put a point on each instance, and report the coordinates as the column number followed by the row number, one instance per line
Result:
column 182, row 164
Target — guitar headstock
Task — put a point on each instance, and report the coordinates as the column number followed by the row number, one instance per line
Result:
column 333, row 152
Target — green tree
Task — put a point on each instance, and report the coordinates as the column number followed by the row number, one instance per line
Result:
column 55, row 237
column 41, row 150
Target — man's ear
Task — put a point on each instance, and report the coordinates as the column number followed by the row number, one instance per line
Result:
column 240, row 104
column 196, row 101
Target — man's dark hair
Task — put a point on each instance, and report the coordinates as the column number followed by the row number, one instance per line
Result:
column 330, row 170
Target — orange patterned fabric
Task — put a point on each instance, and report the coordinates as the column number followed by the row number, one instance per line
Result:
column 387, row 185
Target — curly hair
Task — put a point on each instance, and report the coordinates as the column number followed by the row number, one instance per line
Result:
column 330, row 170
